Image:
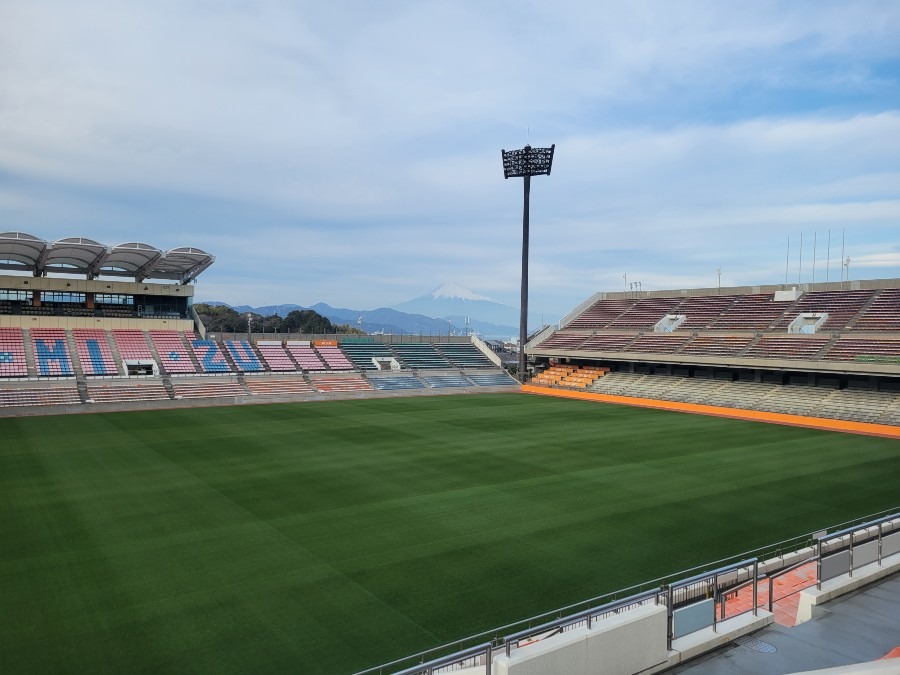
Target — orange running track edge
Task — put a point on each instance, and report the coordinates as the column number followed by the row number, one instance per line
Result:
column 864, row 428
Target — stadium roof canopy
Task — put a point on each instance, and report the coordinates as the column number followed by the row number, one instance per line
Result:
column 77, row 255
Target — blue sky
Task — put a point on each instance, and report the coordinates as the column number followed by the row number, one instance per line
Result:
column 349, row 151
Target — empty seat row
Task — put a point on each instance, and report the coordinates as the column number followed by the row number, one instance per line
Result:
column 389, row 383
column 808, row 347
column 498, row 379
column 149, row 391
column 281, row 385
column 464, row 355
column 341, row 384
column 420, row 355
column 882, row 314
column 846, row 309
column 207, row 389
column 16, row 397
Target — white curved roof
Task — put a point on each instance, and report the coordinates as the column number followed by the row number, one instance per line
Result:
column 78, row 255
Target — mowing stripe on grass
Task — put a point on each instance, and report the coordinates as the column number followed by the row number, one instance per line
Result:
column 327, row 537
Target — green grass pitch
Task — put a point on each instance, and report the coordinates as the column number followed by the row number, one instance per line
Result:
column 327, row 537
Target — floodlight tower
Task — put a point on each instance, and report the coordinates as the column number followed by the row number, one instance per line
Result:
column 526, row 163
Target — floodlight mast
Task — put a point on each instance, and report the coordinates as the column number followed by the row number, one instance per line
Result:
column 526, row 163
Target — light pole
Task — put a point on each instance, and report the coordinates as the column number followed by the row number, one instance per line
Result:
column 249, row 319
column 719, row 273
column 526, row 163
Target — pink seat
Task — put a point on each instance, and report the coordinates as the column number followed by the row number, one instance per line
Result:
column 12, row 353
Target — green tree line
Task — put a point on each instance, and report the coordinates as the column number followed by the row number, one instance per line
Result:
column 222, row 319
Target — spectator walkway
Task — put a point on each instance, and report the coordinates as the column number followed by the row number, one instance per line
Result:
column 785, row 590
column 857, row 628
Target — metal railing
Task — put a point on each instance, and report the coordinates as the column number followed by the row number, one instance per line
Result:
column 583, row 619
column 676, row 591
column 479, row 655
column 707, row 587
column 770, row 605
column 834, row 544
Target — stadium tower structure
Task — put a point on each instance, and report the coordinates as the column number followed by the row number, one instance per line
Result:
column 524, row 164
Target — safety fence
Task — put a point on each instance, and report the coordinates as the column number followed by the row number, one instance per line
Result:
column 693, row 601
column 849, row 549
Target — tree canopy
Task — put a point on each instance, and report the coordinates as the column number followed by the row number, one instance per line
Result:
column 224, row 319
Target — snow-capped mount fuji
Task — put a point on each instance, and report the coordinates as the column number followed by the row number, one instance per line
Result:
column 454, row 301
column 454, row 291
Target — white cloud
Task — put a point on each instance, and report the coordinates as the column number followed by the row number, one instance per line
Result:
column 360, row 143
column 878, row 260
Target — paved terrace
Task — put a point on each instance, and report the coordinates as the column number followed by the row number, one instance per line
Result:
column 858, row 627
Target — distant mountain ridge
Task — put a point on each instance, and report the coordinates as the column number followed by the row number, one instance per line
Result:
column 383, row 320
column 446, row 308
column 454, row 301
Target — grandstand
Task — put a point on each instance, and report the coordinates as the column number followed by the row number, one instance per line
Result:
column 828, row 350
column 96, row 345
column 113, row 338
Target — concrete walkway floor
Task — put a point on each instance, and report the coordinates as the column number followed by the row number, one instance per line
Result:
column 858, row 627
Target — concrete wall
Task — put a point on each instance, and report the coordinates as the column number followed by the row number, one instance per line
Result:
column 853, row 285
column 70, row 322
column 625, row 643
